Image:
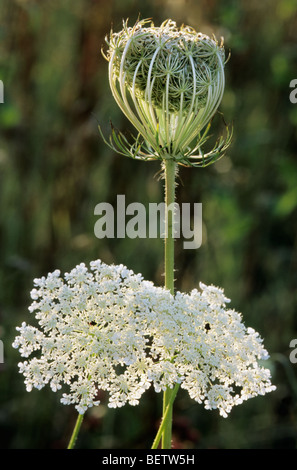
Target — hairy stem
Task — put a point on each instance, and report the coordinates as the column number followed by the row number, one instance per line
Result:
column 170, row 168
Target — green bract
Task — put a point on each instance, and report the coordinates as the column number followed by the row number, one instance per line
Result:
column 169, row 83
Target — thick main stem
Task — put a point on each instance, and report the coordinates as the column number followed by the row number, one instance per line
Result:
column 170, row 168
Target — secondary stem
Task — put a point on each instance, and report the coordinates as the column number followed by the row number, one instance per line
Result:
column 170, row 168
column 75, row 431
column 164, row 418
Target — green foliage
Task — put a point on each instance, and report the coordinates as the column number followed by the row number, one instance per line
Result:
column 55, row 168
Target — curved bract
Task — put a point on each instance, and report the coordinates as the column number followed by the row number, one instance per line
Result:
column 169, row 83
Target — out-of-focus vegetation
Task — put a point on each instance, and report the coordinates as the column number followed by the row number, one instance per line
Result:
column 54, row 169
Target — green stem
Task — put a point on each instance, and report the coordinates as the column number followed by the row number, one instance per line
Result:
column 170, row 168
column 165, row 417
column 75, row 431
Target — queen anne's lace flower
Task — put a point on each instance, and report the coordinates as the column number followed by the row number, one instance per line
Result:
column 169, row 82
column 109, row 329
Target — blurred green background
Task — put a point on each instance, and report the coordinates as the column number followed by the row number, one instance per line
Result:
column 54, row 169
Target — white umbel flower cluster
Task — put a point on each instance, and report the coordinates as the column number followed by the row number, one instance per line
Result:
column 106, row 328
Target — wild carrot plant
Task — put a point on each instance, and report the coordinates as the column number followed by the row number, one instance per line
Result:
column 107, row 328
